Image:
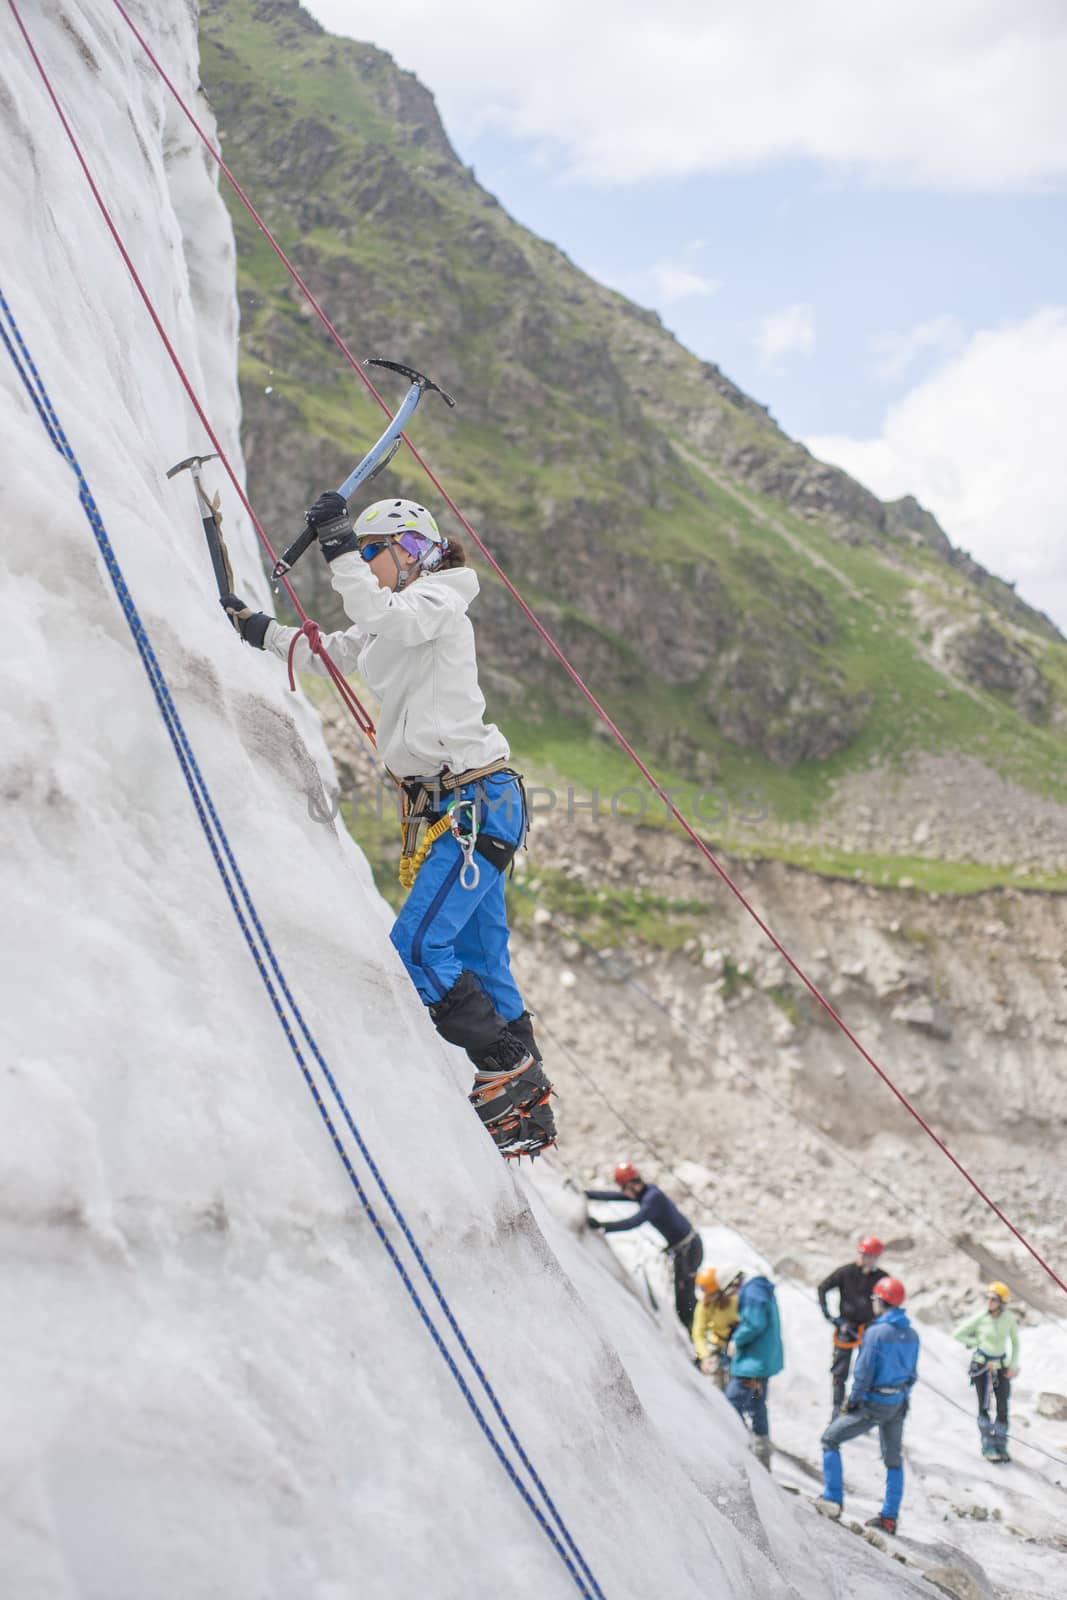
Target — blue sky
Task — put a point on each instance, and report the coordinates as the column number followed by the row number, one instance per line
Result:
column 869, row 262
column 857, row 212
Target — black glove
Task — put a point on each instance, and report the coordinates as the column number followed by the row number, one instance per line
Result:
column 329, row 518
column 593, row 1222
column 251, row 625
column 850, row 1405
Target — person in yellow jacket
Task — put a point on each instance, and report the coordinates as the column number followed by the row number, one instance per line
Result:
column 714, row 1320
column 993, row 1335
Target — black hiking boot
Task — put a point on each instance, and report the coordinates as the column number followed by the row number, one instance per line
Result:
column 883, row 1524
column 521, row 1028
column 510, row 1091
column 511, row 1095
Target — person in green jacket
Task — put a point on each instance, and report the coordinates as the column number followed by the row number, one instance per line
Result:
column 993, row 1335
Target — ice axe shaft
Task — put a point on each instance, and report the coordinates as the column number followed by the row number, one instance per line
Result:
column 379, row 454
column 209, row 516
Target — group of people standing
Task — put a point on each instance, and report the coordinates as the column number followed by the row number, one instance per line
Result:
column 736, row 1335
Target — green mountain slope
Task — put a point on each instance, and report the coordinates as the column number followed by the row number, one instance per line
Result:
column 750, row 616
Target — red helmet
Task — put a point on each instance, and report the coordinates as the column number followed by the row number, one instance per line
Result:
column 870, row 1246
column 890, row 1291
column 626, row 1172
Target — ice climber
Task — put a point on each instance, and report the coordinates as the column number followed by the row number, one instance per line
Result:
column 886, row 1369
column 854, row 1283
column 683, row 1242
column 715, row 1319
column 756, row 1355
column 407, row 589
column 993, row 1335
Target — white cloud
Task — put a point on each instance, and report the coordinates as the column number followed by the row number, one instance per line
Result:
column 896, row 352
column 672, row 282
column 664, row 282
column 981, row 443
column 790, row 331
column 956, row 94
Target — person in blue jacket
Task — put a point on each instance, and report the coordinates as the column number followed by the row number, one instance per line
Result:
column 881, row 1386
column 756, row 1355
column 684, row 1244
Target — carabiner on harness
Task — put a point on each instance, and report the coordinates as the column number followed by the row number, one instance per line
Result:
column 469, row 873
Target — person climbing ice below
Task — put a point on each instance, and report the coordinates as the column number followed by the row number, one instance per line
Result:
column 993, row 1335
column 407, row 589
column 683, row 1243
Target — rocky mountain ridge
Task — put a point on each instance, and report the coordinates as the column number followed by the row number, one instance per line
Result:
column 749, row 613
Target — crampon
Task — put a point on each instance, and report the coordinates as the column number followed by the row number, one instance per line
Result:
column 514, row 1107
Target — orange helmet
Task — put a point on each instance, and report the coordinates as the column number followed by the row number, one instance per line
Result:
column 870, row 1246
column 890, row 1291
column 707, row 1279
column 626, row 1172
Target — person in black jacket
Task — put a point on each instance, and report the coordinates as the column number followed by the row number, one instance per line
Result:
column 683, row 1242
column 854, row 1283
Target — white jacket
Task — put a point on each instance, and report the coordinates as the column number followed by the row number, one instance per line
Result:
column 415, row 651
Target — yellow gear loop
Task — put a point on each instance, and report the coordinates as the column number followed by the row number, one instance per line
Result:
column 409, row 865
column 415, row 796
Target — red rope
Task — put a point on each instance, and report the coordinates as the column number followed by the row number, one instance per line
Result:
column 538, row 626
column 342, row 685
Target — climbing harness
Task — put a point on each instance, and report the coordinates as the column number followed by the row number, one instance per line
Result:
column 420, row 800
column 841, row 1343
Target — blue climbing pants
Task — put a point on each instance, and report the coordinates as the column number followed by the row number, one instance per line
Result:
column 748, row 1396
column 445, row 929
column 889, row 1420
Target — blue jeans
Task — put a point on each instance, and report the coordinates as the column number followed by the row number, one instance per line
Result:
column 750, row 1403
column 444, row 929
column 889, row 1420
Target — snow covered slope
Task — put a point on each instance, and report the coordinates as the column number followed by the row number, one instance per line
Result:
column 216, row 1382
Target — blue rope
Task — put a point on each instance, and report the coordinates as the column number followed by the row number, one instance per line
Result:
column 230, row 874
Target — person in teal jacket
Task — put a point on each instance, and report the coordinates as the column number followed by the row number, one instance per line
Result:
column 756, row 1355
column 993, row 1335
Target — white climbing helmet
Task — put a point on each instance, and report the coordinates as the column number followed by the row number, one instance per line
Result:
column 411, row 524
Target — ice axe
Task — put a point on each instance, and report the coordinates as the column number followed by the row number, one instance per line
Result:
column 211, row 517
column 378, row 456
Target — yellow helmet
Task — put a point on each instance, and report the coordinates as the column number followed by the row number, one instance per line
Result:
column 708, row 1280
column 1001, row 1291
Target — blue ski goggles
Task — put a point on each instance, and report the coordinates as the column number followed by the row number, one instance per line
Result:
column 414, row 543
column 367, row 552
